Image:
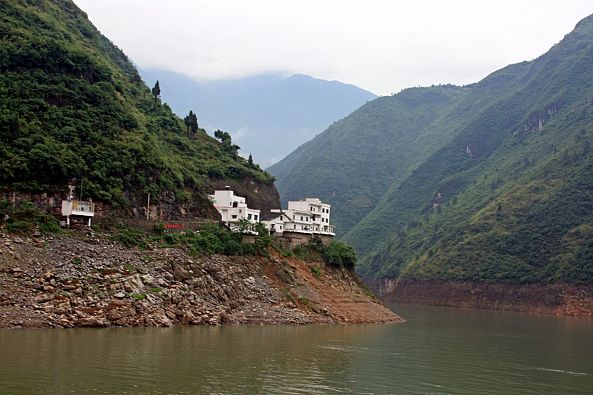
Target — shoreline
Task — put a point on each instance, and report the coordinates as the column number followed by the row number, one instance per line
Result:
column 76, row 280
column 571, row 300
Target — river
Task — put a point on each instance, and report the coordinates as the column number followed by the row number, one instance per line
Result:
column 437, row 351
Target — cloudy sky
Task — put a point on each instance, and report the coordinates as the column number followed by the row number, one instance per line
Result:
column 380, row 45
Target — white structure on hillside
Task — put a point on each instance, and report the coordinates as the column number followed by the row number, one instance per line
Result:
column 303, row 218
column 309, row 216
column 233, row 208
column 78, row 209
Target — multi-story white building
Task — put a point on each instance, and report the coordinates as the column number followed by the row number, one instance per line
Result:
column 306, row 217
column 233, row 208
column 309, row 216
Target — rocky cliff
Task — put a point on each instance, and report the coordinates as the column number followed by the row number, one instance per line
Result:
column 79, row 280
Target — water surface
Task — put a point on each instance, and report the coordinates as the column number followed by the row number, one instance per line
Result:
column 437, row 351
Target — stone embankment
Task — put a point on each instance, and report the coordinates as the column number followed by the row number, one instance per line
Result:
column 89, row 281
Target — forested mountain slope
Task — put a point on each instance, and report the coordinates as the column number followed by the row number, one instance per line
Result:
column 510, row 197
column 355, row 160
column 491, row 183
column 73, row 108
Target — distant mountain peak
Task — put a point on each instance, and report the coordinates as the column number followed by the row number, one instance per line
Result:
column 268, row 114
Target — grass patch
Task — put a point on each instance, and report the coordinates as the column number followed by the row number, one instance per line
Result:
column 137, row 296
column 316, row 271
column 25, row 217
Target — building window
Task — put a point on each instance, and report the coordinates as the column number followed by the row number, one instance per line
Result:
column 301, row 217
column 255, row 217
column 248, row 216
column 234, row 216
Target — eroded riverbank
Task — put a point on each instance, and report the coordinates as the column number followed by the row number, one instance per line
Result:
column 90, row 281
column 558, row 299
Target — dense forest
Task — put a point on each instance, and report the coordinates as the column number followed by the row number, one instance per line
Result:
column 73, row 108
column 495, row 185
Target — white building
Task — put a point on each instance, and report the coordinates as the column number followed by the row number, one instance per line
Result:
column 305, row 217
column 233, row 208
column 78, row 209
column 309, row 216
column 276, row 224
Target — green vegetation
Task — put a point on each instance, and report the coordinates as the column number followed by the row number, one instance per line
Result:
column 340, row 254
column 496, row 182
column 515, row 186
column 316, row 270
column 131, row 237
column 337, row 253
column 356, row 159
column 24, row 217
column 136, row 296
column 210, row 239
column 73, row 108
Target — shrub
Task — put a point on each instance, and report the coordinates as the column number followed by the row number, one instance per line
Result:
column 130, row 237
column 24, row 217
column 339, row 254
column 316, row 270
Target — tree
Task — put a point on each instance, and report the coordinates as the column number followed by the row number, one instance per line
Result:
column 227, row 143
column 250, row 160
column 191, row 121
column 156, row 91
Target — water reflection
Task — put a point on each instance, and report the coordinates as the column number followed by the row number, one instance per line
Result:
column 437, row 351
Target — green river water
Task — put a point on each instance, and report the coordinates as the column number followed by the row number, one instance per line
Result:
column 437, row 351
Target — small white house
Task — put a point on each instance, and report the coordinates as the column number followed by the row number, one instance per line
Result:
column 308, row 216
column 233, row 208
column 78, row 209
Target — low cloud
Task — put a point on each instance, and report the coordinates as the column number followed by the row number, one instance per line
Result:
column 382, row 45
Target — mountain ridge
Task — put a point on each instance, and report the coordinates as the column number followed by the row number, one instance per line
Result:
column 455, row 213
column 268, row 114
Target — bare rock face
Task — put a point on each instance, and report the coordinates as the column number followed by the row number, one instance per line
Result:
column 79, row 281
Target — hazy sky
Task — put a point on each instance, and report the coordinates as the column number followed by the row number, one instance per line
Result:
column 380, row 45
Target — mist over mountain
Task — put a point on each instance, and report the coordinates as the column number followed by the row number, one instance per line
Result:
column 268, row 115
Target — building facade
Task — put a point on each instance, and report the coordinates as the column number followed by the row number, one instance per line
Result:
column 233, row 208
column 78, row 211
column 302, row 220
column 308, row 216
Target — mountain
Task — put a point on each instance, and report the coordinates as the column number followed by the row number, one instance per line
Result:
column 354, row 161
column 74, row 108
column 495, row 186
column 268, row 115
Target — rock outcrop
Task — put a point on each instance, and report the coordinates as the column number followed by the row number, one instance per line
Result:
column 90, row 281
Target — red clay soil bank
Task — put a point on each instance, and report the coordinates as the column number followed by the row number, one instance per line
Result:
column 559, row 299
